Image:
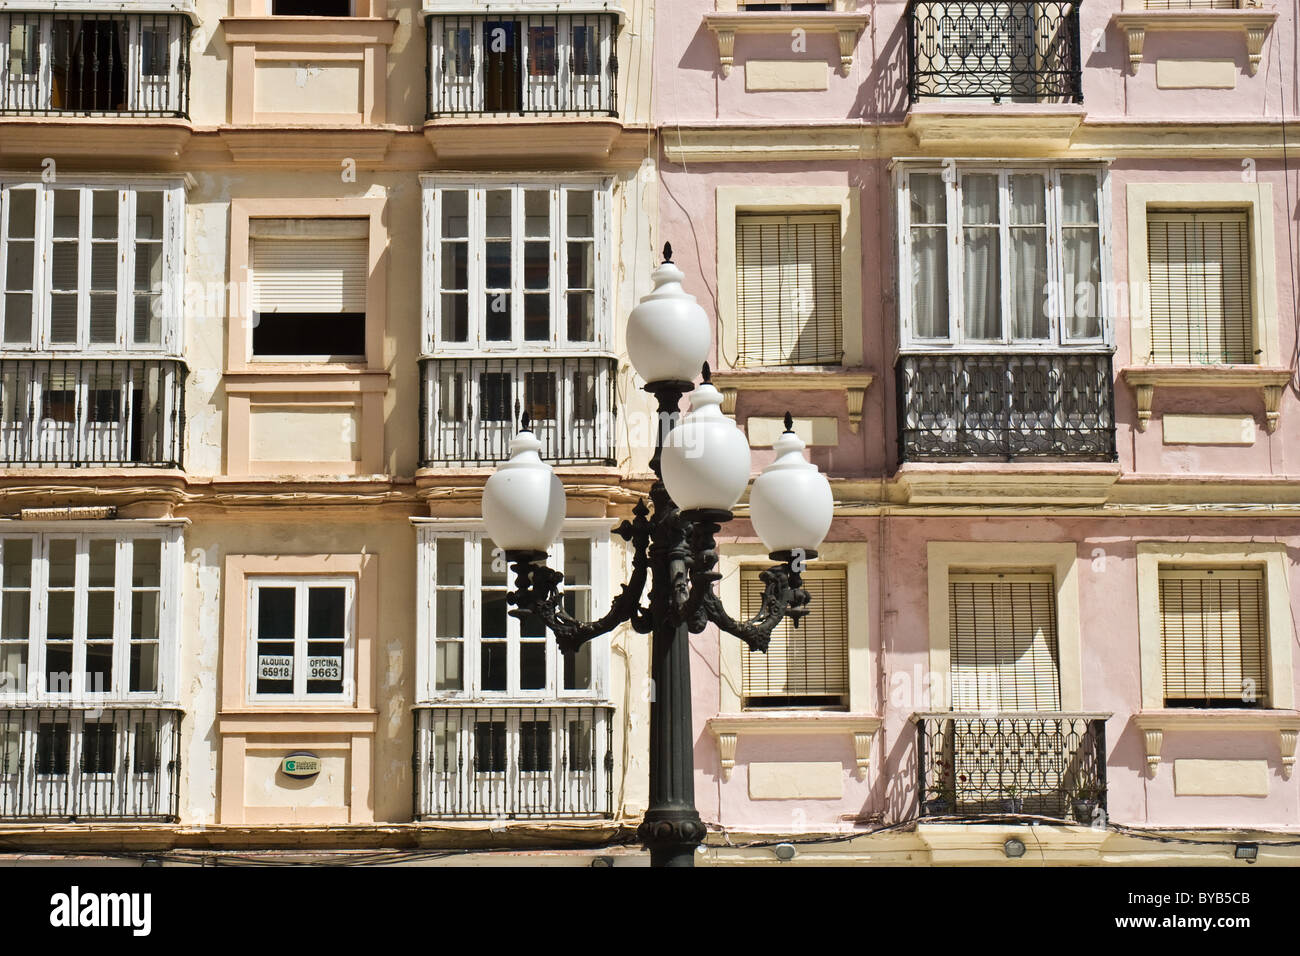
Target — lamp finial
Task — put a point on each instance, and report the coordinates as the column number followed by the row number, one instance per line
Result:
column 708, row 375
column 789, row 423
column 668, row 252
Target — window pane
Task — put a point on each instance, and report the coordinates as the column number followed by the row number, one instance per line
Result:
column 144, row 615
column 67, row 213
column 325, row 667
column 577, row 561
column 146, row 562
column 493, row 676
column 22, row 213
column 537, row 214
column 492, row 570
column 148, row 214
column 982, row 276
column 1081, row 248
column 450, row 666
column 62, row 557
column 450, row 567
column 449, row 614
column 577, row 669
column 99, row 668
column 99, row 615
column 455, row 213
column 580, row 219
column 103, row 224
column 493, row 617
column 325, row 612
column 1079, row 199
column 275, row 613
column 532, row 665
column 17, row 558
column 144, row 668
column 15, row 617
column 103, row 562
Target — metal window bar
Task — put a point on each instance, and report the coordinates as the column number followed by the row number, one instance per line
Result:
column 78, row 764
column 92, row 412
column 1045, row 763
column 94, row 64
column 1006, row 405
column 469, row 408
column 513, row 762
column 522, row 64
column 1019, row 50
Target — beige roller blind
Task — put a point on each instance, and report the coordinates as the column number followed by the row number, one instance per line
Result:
column 788, row 289
column 1002, row 642
column 1213, row 637
column 1200, row 288
column 804, row 666
column 305, row 265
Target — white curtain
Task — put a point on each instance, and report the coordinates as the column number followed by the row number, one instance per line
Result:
column 1028, row 228
column 929, row 218
column 1081, row 255
column 982, row 274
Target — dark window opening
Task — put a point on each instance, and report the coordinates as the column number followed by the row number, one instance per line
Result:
column 52, row 748
column 535, row 746
column 311, row 8
column 97, row 742
column 89, row 72
column 309, row 333
column 502, row 76
column 490, row 747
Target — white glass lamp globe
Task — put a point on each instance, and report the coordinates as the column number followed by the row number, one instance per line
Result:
column 705, row 460
column 523, row 500
column 668, row 333
column 790, row 505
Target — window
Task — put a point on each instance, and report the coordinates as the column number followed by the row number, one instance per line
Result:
column 1214, row 638
column 1200, row 288
column 995, row 257
column 1002, row 642
column 87, row 614
column 301, row 644
column 311, row 8
column 309, row 280
column 788, row 289
column 516, row 267
column 807, row 666
column 89, row 267
column 477, row 648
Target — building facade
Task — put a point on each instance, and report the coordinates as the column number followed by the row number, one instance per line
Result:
column 1024, row 274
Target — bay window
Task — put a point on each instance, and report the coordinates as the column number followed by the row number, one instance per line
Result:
column 516, row 266
column 90, row 267
column 473, row 648
column 1002, row 257
column 88, row 614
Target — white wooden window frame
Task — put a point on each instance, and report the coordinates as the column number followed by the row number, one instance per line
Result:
column 32, row 689
column 34, row 91
column 301, row 584
column 475, row 539
column 170, row 302
column 477, row 188
column 956, row 339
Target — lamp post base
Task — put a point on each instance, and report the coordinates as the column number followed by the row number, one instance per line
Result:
column 671, row 836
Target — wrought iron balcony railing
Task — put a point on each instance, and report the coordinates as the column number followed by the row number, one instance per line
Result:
column 1018, row 50
column 91, row 412
column 1044, row 763
column 513, row 762
column 1006, row 405
column 89, row 764
column 95, row 64
column 522, row 63
column 469, row 408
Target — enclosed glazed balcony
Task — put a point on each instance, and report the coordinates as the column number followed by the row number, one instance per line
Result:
column 522, row 64
column 986, row 765
column 89, row 764
column 513, row 762
column 89, row 412
column 994, row 50
column 959, row 406
column 470, row 407
column 94, row 64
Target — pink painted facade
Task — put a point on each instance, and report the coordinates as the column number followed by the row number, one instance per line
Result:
column 1185, row 144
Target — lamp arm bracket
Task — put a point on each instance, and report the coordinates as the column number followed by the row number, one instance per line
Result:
column 783, row 596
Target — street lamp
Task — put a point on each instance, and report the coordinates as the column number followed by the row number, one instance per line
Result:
column 701, row 466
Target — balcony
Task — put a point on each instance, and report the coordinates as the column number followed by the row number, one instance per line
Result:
column 70, row 413
column 86, row 64
column 85, row 765
column 1043, row 763
column 513, row 762
column 524, row 64
column 1006, row 405
column 1013, row 50
column 469, row 408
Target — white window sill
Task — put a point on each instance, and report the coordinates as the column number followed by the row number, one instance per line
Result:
column 1254, row 23
column 1270, row 380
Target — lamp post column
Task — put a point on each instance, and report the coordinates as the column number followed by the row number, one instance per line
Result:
column 672, row 828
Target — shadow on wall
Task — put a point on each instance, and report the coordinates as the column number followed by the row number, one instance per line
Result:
column 893, row 795
column 883, row 96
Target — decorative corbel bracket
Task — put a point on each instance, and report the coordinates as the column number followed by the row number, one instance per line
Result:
column 1270, row 381
column 1285, row 723
column 1251, row 21
column 853, row 382
column 727, row 729
column 724, row 25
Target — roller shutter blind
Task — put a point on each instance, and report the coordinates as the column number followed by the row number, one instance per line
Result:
column 1213, row 637
column 1003, row 642
column 309, row 266
column 805, row 666
column 788, row 289
column 1200, row 288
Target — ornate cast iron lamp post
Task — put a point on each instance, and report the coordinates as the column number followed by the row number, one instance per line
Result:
column 701, row 466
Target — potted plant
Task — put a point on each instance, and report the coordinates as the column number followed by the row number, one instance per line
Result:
column 1085, row 803
column 1014, row 803
column 944, row 797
